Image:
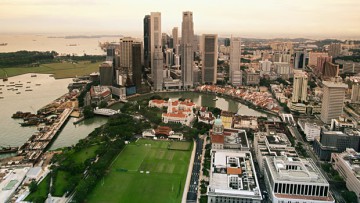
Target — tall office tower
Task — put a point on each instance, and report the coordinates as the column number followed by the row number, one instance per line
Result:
column 175, row 36
column 227, row 42
column 235, row 56
column 158, row 69
column 333, row 99
column 136, row 64
column 209, row 58
column 110, row 53
column 286, row 58
column 300, row 59
column 165, row 41
column 169, row 58
column 106, row 73
column 300, row 87
column 187, row 53
column 126, row 54
column 147, row 43
column 334, row 49
column 155, row 36
column 355, row 92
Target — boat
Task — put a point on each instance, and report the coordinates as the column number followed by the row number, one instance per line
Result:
column 34, row 75
column 28, row 82
column 27, row 86
column 18, row 92
column 28, row 90
column 5, row 79
column 215, row 99
column 20, row 114
column 72, row 45
column 0, row 92
column 38, row 84
column 1, row 97
column 5, row 150
column 3, row 44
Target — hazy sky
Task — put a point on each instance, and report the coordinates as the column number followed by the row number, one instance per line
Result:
column 246, row 18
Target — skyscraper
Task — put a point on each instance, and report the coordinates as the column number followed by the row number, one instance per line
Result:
column 209, row 58
column 147, row 55
column 126, row 54
column 334, row 49
column 187, row 53
column 106, row 73
column 155, row 44
column 355, row 92
column 136, row 64
column 333, row 100
column 175, row 36
column 158, row 69
column 235, row 56
column 300, row 87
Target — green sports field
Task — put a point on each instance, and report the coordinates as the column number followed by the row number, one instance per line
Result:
column 128, row 180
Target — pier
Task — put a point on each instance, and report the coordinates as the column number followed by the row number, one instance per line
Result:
column 39, row 142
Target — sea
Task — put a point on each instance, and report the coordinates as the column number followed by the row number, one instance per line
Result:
column 64, row 45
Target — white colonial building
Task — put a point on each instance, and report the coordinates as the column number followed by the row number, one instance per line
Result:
column 233, row 178
column 295, row 180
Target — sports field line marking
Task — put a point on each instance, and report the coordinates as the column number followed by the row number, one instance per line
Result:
column 117, row 156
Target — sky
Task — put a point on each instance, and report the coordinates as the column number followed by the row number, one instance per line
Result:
column 245, row 18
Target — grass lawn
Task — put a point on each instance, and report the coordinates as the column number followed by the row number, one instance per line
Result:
column 42, row 191
column 59, row 70
column 164, row 182
column 63, row 178
column 180, row 145
column 81, row 156
column 61, row 183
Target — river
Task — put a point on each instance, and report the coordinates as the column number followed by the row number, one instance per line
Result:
column 49, row 89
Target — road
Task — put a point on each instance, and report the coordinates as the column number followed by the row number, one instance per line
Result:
column 294, row 131
column 194, row 181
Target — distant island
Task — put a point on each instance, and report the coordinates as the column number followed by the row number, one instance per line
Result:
column 84, row 36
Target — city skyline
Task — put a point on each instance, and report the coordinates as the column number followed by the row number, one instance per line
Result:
column 266, row 19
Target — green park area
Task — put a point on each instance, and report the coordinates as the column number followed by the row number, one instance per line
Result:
column 59, row 70
column 145, row 170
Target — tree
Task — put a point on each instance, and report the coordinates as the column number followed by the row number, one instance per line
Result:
column 103, row 104
column 349, row 196
column 33, row 186
column 88, row 112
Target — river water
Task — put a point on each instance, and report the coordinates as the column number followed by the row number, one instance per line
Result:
column 13, row 134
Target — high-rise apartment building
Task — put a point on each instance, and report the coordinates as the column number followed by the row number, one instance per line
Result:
column 209, row 58
column 175, row 36
column 313, row 56
column 334, row 50
column 187, row 53
column 300, row 61
column 136, row 64
column 147, row 55
column 321, row 60
column 235, row 56
column 331, row 70
column 155, row 35
column 355, row 92
column 333, row 100
column 300, row 87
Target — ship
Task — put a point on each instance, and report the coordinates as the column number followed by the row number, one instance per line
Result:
column 5, row 150
column 3, row 44
column 72, row 45
column 20, row 114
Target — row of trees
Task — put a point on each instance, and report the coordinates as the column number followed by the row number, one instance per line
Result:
column 25, row 58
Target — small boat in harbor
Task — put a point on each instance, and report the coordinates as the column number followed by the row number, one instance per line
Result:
column 3, row 44
column 1, row 97
column 18, row 92
column 34, row 75
column 28, row 90
column 38, row 84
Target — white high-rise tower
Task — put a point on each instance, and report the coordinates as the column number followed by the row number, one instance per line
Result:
column 187, row 53
column 235, row 56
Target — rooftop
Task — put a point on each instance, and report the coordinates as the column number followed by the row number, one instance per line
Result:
column 233, row 173
column 295, row 170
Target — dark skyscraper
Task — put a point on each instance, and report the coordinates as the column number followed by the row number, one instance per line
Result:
column 147, row 43
column 136, row 64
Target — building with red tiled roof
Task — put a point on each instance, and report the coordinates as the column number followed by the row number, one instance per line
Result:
column 99, row 94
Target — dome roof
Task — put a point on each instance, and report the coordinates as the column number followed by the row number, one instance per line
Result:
column 218, row 121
